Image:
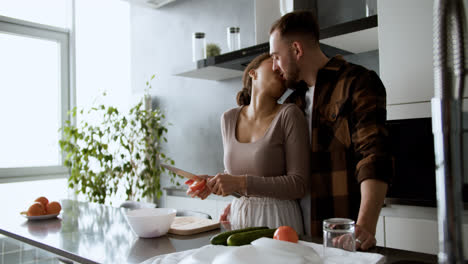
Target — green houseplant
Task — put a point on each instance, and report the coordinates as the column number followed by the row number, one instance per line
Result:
column 121, row 153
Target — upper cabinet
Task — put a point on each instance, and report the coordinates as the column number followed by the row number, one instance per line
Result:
column 405, row 50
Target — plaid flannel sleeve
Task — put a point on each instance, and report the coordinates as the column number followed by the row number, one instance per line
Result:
column 369, row 134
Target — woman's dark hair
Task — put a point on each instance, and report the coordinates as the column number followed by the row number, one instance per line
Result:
column 243, row 97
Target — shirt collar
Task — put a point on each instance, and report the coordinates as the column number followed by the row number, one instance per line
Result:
column 334, row 64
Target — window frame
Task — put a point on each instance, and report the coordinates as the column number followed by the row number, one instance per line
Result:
column 63, row 38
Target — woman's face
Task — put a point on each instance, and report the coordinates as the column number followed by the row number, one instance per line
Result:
column 268, row 81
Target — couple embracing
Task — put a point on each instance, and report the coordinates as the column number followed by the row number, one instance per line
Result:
column 321, row 153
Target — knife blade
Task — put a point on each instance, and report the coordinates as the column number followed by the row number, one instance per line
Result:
column 189, row 175
column 180, row 172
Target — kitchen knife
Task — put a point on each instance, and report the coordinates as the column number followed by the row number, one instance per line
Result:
column 178, row 171
column 189, row 175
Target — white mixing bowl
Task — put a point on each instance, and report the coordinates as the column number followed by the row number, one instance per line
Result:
column 151, row 222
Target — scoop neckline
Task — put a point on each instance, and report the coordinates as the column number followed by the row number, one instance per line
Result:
column 283, row 106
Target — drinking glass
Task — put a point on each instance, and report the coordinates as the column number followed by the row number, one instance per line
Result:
column 338, row 233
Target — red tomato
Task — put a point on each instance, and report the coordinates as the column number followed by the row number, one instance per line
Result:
column 197, row 185
column 189, row 182
column 286, row 233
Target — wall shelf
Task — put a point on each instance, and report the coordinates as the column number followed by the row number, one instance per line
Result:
column 347, row 38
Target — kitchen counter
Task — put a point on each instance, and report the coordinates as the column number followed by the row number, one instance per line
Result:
column 93, row 233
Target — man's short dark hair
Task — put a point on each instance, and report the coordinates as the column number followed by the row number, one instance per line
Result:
column 298, row 23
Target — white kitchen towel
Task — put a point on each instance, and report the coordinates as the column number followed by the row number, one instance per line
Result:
column 208, row 254
column 345, row 257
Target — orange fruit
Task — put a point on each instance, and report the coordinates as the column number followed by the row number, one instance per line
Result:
column 53, row 208
column 44, row 201
column 286, row 233
column 36, row 209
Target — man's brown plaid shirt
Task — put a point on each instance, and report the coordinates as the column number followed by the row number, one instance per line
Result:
column 349, row 141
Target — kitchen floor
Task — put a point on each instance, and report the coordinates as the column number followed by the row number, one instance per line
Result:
column 14, row 251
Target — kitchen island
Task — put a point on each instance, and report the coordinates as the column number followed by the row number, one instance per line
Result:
column 93, row 233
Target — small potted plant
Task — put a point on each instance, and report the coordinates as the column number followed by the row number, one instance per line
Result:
column 212, row 50
column 122, row 154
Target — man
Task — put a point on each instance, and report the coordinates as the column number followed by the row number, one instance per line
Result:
column 346, row 110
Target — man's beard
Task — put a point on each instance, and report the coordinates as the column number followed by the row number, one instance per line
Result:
column 292, row 76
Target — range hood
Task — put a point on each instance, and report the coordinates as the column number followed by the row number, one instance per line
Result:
column 238, row 60
column 356, row 36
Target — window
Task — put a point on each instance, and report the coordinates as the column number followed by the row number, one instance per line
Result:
column 37, row 83
column 35, row 91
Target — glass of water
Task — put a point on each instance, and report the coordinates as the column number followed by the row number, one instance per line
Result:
column 338, row 234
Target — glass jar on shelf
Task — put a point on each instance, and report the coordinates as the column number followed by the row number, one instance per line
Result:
column 198, row 46
column 233, row 38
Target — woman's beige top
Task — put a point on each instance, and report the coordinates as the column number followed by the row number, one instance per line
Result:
column 276, row 165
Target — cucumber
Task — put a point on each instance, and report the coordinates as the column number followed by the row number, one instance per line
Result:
column 246, row 238
column 221, row 239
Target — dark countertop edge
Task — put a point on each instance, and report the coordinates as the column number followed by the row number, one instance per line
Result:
column 61, row 253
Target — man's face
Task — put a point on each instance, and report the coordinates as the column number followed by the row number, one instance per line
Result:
column 284, row 62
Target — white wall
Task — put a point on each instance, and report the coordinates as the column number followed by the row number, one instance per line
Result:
column 161, row 44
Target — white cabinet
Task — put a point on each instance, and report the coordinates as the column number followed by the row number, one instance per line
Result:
column 380, row 232
column 415, row 228
column 405, row 50
column 411, row 234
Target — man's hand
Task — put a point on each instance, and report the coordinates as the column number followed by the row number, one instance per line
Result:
column 364, row 238
column 225, row 184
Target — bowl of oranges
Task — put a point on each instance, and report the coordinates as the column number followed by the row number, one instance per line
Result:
column 42, row 209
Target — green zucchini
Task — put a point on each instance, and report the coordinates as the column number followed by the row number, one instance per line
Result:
column 221, row 239
column 246, row 238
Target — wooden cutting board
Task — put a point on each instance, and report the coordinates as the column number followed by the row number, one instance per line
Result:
column 189, row 225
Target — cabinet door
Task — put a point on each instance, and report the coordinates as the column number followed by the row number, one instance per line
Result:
column 405, row 48
column 418, row 235
column 380, row 232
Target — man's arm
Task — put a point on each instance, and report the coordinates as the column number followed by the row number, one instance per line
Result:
column 374, row 164
column 372, row 198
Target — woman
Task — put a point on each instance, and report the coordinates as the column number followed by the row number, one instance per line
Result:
column 266, row 153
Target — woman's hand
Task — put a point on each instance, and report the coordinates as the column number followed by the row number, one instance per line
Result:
column 201, row 192
column 224, row 220
column 225, row 184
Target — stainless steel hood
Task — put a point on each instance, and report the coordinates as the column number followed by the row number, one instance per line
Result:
column 238, row 60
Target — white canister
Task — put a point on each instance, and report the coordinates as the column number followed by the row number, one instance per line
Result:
column 233, row 38
column 198, row 46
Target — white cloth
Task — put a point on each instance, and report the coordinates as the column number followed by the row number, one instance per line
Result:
column 207, row 254
column 265, row 211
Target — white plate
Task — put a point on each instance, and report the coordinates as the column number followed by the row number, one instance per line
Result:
column 40, row 217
